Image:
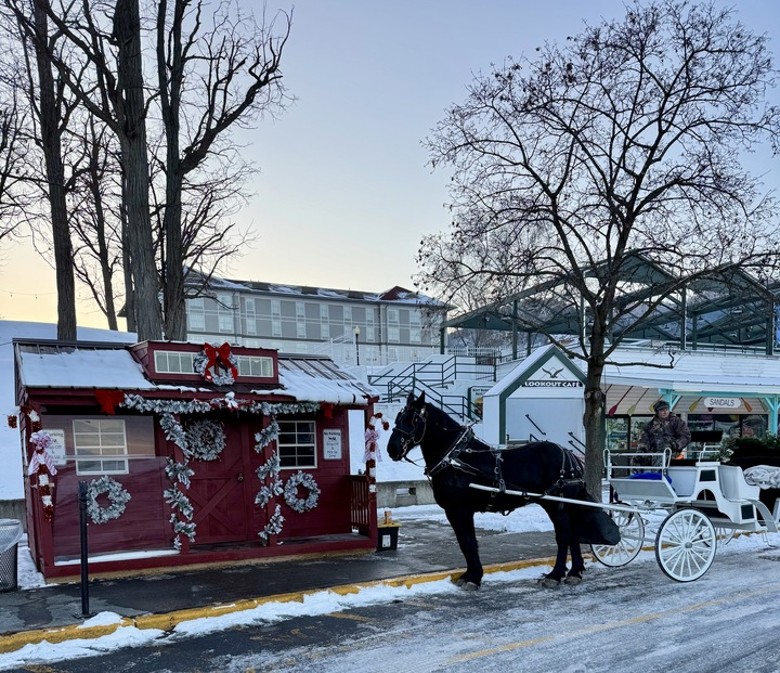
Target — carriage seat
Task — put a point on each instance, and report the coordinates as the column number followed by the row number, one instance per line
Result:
column 733, row 484
column 683, row 480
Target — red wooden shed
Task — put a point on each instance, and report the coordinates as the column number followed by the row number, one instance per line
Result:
column 187, row 453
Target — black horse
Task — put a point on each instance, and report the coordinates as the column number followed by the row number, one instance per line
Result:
column 454, row 458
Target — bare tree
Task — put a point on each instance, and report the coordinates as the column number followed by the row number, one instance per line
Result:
column 13, row 148
column 95, row 220
column 98, row 57
column 51, row 108
column 233, row 66
column 625, row 143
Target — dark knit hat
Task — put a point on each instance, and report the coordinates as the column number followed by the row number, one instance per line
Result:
column 660, row 406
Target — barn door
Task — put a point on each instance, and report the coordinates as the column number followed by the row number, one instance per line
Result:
column 219, row 492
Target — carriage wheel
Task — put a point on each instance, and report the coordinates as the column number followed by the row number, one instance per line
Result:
column 632, row 535
column 725, row 535
column 685, row 545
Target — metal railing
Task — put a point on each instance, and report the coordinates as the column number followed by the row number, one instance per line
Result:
column 435, row 374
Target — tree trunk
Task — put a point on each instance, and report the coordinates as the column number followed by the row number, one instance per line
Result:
column 55, row 177
column 593, row 420
column 127, row 30
column 595, row 402
column 170, row 104
column 175, row 314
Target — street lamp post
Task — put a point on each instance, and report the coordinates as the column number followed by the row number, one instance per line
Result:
column 356, row 332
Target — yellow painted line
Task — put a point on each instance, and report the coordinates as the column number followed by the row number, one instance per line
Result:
column 354, row 618
column 167, row 621
column 607, row 626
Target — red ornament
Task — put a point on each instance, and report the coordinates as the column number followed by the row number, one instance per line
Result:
column 327, row 409
column 109, row 399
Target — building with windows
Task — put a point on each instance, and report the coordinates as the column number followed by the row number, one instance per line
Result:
column 188, row 454
column 351, row 327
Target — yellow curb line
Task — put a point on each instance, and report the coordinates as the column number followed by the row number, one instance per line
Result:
column 169, row 620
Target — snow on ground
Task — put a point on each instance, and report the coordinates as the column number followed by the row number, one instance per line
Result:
column 315, row 603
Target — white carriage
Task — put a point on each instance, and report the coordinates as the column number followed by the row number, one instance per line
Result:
column 699, row 501
column 685, row 507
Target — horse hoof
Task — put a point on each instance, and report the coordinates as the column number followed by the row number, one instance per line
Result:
column 550, row 582
column 573, row 580
column 468, row 585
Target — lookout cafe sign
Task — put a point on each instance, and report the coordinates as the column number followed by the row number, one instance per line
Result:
column 551, row 377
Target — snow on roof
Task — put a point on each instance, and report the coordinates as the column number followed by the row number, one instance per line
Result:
column 321, row 380
column 11, row 481
column 688, row 371
column 83, row 368
column 306, row 379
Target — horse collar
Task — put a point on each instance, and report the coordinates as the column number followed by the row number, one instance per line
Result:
column 450, row 457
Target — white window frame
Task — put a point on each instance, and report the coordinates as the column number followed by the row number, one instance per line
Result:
column 196, row 314
column 255, row 365
column 290, row 451
column 225, row 314
column 174, row 362
column 250, row 316
column 100, row 449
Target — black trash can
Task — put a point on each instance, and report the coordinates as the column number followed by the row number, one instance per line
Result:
column 10, row 533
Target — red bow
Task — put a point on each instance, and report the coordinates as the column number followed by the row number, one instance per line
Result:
column 216, row 356
column 109, row 399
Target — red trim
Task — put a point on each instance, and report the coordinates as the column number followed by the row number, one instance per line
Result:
column 288, row 551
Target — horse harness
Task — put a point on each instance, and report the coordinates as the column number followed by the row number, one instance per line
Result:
column 571, row 473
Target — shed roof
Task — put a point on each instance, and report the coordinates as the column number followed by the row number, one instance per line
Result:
column 112, row 367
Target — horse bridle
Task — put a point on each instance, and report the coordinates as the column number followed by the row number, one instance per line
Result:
column 408, row 440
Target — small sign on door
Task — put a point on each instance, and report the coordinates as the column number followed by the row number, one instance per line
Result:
column 331, row 444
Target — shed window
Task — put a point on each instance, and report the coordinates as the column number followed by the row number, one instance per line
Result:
column 297, row 444
column 100, row 446
column 174, row 362
column 251, row 365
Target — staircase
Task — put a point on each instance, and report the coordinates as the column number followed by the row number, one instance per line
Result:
column 451, row 382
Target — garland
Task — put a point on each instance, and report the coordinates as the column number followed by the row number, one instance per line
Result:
column 117, row 496
column 371, row 438
column 228, row 402
column 42, row 467
column 274, row 525
column 205, row 439
column 269, row 472
column 270, row 483
column 303, row 480
column 179, row 473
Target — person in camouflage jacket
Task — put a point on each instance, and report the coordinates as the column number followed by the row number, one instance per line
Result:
column 665, row 431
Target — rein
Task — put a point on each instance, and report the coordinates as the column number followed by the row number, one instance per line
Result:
column 409, row 441
column 571, row 470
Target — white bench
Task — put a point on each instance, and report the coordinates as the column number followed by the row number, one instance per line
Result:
column 733, row 484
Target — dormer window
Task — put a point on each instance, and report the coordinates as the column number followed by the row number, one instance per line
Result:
column 174, row 362
column 256, row 366
column 221, row 364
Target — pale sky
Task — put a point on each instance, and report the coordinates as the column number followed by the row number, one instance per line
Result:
column 344, row 195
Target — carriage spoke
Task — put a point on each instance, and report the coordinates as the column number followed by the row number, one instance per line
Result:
column 685, row 545
column 632, row 535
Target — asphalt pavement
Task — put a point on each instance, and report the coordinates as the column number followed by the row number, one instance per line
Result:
column 426, row 551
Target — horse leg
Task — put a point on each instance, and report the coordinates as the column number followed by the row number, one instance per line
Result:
column 562, row 526
column 574, row 576
column 462, row 522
